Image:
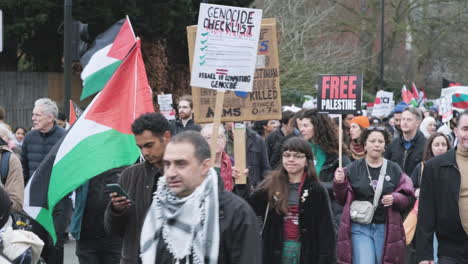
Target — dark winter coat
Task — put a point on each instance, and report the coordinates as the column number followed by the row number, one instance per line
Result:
column 138, row 181
column 394, row 244
column 274, row 143
column 327, row 174
column 315, row 223
column 240, row 241
column 36, row 146
column 439, row 211
column 257, row 158
column 407, row 159
column 92, row 224
column 178, row 126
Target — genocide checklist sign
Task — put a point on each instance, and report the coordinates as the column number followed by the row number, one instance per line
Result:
column 226, row 47
column 264, row 102
column 339, row 94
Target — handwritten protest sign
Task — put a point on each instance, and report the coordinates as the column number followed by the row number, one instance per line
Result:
column 226, row 47
column 445, row 108
column 339, row 94
column 165, row 106
column 264, row 102
column 383, row 104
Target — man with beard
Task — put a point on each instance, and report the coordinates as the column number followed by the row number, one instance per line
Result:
column 124, row 215
column 185, row 121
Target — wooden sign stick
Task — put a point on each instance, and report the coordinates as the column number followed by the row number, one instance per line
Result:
column 238, row 131
column 340, row 142
column 216, row 123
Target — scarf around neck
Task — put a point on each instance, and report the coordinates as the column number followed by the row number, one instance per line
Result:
column 188, row 226
column 357, row 150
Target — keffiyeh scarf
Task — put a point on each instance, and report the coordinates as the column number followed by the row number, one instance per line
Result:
column 189, row 226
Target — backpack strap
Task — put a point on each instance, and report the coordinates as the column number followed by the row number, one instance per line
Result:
column 5, row 166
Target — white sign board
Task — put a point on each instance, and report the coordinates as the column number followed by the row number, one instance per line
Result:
column 226, row 48
column 383, row 105
column 165, row 106
column 445, row 108
column 1, row 31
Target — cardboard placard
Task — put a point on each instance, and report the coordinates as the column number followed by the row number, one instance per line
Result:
column 263, row 103
column 383, row 104
column 226, row 47
column 239, row 151
column 339, row 93
column 165, row 106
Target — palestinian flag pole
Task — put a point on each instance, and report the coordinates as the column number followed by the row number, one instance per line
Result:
column 105, row 56
column 101, row 139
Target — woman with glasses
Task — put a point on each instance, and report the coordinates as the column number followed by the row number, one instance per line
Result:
column 380, row 237
column 297, row 218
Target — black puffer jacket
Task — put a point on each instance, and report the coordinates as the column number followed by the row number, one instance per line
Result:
column 178, row 126
column 407, row 159
column 36, row 146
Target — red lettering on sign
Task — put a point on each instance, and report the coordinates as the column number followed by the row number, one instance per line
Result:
column 334, row 87
column 343, row 87
column 325, row 86
column 352, row 87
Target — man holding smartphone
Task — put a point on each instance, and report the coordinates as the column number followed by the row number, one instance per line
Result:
column 124, row 216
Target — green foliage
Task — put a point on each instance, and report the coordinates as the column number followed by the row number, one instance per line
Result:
column 33, row 41
column 30, row 33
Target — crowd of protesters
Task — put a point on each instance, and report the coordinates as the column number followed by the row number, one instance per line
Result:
column 298, row 205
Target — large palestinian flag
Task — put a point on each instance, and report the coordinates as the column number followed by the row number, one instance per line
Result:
column 101, row 139
column 105, row 56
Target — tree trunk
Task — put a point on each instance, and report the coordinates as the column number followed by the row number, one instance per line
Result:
column 167, row 68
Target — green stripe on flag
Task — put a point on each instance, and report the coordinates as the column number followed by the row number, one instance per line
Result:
column 99, row 154
column 45, row 218
column 96, row 81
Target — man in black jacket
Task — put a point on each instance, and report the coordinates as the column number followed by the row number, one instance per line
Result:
column 407, row 150
column 443, row 204
column 192, row 219
column 124, row 215
column 36, row 145
column 275, row 140
column 185, row 120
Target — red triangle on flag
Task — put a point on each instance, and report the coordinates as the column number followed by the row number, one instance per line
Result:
column 125, row 97
column 123, row 42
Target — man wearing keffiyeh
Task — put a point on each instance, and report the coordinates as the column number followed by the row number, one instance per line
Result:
column 192, row 219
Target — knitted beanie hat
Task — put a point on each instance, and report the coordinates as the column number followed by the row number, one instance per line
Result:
column 362, row 121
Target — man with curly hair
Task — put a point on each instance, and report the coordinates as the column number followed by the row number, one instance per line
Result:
column 124, row 216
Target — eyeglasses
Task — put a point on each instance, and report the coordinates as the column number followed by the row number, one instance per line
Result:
column 374, row 128
column 287, row 155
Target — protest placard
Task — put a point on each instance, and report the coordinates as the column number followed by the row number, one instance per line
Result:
column 263, row 103
column 445, row 108
column 383, row 104
column 459, row 97
column 339, row 93
column 165, row 106
column 226, row 47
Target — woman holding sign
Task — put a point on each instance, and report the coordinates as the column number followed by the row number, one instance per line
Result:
column 297, row 219
column 374, row 192
column 322, row 134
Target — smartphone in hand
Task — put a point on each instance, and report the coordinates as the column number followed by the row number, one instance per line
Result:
column 115, row 188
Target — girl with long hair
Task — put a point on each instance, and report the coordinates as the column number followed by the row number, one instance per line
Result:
column 322, row 134
column 295, row 208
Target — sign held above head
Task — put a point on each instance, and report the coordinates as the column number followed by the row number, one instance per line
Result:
column 339, row 93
